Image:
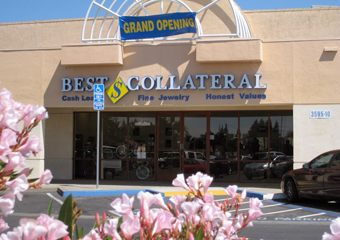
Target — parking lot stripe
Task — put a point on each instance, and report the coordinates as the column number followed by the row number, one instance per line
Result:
column 306, row 208
column 55, row 199
column 312, row 215
column 244, row 209
column 289, row 210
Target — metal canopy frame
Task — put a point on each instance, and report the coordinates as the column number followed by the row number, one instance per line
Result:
column 122, row 8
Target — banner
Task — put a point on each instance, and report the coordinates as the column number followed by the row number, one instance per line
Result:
column 155, row 26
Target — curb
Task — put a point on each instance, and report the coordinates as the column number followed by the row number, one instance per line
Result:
column 264, row 196
column 97, row 193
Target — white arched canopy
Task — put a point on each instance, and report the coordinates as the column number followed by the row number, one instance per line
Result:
column 101, row 21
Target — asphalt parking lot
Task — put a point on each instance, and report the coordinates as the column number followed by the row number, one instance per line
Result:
column 276, row 214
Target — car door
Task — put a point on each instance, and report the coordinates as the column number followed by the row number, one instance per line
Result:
column 332, row 178
column 311, row 179
column 190, row 166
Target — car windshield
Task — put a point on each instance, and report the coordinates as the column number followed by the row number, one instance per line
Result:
column 321, row 161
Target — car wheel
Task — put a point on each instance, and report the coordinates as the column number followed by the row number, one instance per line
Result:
column 291, row 191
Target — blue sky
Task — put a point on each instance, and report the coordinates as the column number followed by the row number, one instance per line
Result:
column 32, row 10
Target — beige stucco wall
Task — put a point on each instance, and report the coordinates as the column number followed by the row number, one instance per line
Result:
column 37, row 162
column 314, row 136
column 299, row 74
column 59, row 143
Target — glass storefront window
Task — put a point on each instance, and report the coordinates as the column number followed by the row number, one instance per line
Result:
column 141, row 146
column 169, row 143
column 85, row 144
column 238, row 145
column 281, row 140
column 253, row 145
column 223, row 145
column 195, row 130
column 195, row 133
column 169, row 132
column 113, row 150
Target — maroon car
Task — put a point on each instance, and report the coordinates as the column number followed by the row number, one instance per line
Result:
column 320, row 178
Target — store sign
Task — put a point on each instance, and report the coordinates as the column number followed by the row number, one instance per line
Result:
column 155, row 26
column 117, row 90
column 135, row 83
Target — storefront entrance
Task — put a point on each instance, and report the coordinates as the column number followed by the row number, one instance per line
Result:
column 232, row 146
column 182, row 144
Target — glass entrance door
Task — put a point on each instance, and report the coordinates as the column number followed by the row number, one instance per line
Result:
column 169, row 135
column 195, row 144
column 182, row 144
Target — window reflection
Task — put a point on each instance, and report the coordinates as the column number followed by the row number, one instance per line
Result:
column 254, row 134
column 195, row 132
column 239, row 145
column 253, row 145
column 141, row 148
column 223, row 145
column 113, row 155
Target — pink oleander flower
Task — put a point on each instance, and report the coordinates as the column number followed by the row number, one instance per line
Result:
column 152, row 199
column 130, row 227
column 164, row 220
column 8, row 138
column 177, row 200
column 232, row 192
column 190, row 208
column 193, row 181
column 15, row 161
column 255, row 203
column 31, row 144
column 210, row 212
column 33, row 113
column 3, row 225
column 335, row 229
column 5, row 98
column 123, row 205
column 110, row 229
column 253, row 213
column 208, row 198
column 229, row 230
column 56, row 229
column 45, row 178
column 206, row 180
column 31, row 229
column 93, row 235
column 7, row 202
column 16, row 234
column 180, row 182
column 18, row 185
column 25, row 171
column 199, row 180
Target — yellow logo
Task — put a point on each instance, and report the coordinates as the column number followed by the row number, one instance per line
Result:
column 117, row 90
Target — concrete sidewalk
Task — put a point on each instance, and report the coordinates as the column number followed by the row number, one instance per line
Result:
column 84, row 188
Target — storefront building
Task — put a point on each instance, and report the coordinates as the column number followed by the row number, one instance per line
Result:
column 244, row 85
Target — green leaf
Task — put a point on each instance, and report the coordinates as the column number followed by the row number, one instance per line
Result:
column 199, row 235
column 65, row 214
column 79, row 234
column 49, row 209
column 120, row 221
